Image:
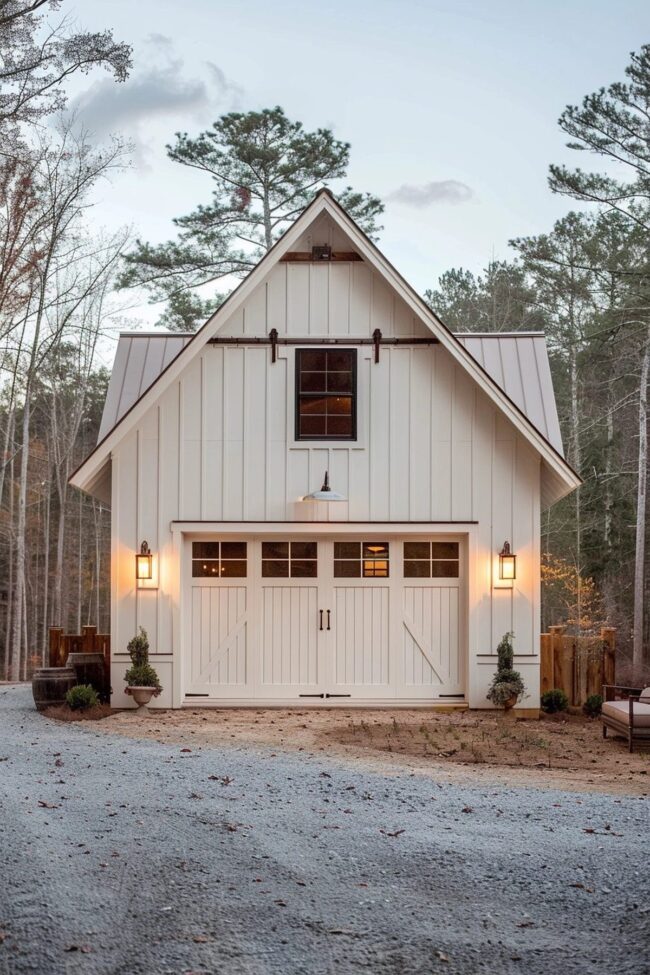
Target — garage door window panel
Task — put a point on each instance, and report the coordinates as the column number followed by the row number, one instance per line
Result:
column 221, row 560
column 431, row 560
column 354, row 560
column 284, row 560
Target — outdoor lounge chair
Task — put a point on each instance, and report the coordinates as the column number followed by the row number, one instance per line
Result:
column 629, row 717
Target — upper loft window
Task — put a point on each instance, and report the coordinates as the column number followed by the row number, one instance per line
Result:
column 326, row 394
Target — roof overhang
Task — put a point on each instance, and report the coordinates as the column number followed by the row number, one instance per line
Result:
column 561, row 480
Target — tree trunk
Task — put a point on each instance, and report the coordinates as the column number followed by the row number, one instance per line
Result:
column 576, row 460
column 60, row 550
column 639, row 561
column 16, row 638
column 46, row 580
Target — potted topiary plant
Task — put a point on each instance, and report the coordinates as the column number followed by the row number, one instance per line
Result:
column 141, row 679
column 507, row 685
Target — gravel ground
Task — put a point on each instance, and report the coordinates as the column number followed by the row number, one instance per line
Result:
column 123, row 856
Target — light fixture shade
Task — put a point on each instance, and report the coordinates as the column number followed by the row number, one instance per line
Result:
column 144, row 563
column 507, row 563
column 325, row 493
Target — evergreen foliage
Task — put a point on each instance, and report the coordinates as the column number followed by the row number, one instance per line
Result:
column 141, row 673
column 506, row 683
column 264, row 169
column 81, row 697
column 554, row 701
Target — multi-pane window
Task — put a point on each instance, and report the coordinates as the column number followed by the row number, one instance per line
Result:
column 355, row 560
column 295, row 560
column 326, row 392
column 222, row 560
column 427, row 560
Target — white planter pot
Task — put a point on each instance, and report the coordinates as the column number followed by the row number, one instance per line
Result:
column 141, row 695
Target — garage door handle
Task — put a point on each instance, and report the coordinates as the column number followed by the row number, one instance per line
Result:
column 321, row 619
column 328, row 620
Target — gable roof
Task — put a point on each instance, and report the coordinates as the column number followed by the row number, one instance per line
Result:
column 517, row 361
column 561, row 479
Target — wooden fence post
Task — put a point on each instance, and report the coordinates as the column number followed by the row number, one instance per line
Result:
column 88, row 638
column 56, row 647
column 546, row 663
column 608, row 636
column 557, row 644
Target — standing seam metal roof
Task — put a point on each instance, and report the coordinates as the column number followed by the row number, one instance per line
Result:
column 516, row 361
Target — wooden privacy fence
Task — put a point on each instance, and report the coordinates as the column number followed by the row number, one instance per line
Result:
column 89, row 641
column 577, row 665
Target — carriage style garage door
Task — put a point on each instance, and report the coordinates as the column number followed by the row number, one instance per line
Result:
column 321, row 620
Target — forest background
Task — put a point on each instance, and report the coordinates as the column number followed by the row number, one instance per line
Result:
column 66, row 287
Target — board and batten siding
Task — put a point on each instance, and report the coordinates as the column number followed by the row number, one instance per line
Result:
column 219, row 446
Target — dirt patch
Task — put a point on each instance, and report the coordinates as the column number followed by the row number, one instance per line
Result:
column 556, row 752
column 63, row 713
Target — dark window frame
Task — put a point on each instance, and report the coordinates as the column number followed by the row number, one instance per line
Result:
column 298, row 395
column 449, row 561
column 366, row 563
column 237, row 561
column 291, row 561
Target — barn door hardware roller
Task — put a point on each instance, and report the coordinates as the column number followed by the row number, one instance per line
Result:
column 274, row 340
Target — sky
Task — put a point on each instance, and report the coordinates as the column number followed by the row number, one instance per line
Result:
column 451, row 108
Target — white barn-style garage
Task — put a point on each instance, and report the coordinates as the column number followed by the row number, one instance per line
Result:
column 325, row 477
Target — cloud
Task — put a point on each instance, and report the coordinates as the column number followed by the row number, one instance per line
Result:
column 159, row 91
column 441, row 191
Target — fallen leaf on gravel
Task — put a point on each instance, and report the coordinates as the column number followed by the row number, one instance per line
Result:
column 396, row 833
column 200, row 939
column 528, row 923
column 59, row 763
column 280, row 903
column 442, row 956
column 186, row 749
column 47, row 805
column 467, row 809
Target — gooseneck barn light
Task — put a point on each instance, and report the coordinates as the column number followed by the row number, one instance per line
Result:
column 507, row 563
column 325, row 493
column 144, row 563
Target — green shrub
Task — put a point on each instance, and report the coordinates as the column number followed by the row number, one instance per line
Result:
column 138, row 649
column 505, row 653
column 554, row 701
column 506, row 683
column 81, row 697
column 593, row 706
column 142, row 675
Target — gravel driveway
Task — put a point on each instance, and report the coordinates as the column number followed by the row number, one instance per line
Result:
column 135, row 857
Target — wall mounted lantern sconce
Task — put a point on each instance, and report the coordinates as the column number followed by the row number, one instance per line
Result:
column 507, row 564
column 144, row 563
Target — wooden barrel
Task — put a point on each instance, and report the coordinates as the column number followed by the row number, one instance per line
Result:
column 89, row 668
column 51, row 684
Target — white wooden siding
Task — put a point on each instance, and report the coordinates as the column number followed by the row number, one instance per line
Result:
column 218, row 445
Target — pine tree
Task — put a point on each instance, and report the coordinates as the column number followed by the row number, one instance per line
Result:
column 264, row 169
